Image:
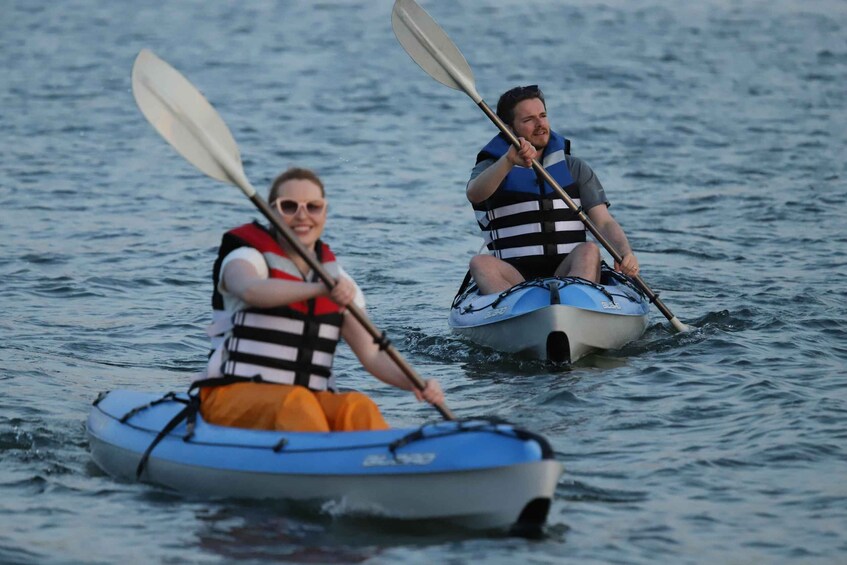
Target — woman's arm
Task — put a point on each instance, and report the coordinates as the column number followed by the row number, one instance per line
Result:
column 380, row 365
column 242, row 279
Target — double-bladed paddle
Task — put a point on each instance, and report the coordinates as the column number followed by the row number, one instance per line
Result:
column 183, row 116
column 428, row 45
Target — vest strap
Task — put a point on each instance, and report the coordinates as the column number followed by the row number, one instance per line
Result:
column 531, row 250
column 260, row 373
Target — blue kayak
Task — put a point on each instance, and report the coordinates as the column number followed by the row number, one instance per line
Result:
column 476, row 474
column 560, row 319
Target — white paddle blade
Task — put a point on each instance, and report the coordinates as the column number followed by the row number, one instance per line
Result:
column 428, row 46
column 186, row 120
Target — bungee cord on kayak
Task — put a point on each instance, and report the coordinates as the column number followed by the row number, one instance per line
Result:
column 553, row 284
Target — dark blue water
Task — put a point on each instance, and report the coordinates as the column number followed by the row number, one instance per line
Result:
column 718, row 131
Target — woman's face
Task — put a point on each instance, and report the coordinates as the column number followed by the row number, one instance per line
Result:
column 300, row 205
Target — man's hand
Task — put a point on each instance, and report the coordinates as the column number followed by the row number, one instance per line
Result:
column 628, row 265
column 522, row 156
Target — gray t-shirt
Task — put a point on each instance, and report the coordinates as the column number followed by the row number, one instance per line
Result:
column 591, row 192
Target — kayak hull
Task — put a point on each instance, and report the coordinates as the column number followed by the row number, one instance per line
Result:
column 556, row 319
column 489, row 476
column 540, row 334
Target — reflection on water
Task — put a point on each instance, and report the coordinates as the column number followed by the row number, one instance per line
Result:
column 279, row 532
column 265, row 533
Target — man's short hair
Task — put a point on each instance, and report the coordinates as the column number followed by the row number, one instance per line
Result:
column 511, row 98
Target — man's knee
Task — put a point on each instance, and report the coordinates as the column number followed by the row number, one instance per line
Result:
column 583, row 262
column 589, row 250
column 482, row 263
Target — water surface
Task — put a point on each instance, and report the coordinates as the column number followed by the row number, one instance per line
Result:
column 718, row 131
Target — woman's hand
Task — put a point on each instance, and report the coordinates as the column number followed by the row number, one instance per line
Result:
column 432, row 392
column 344, row 291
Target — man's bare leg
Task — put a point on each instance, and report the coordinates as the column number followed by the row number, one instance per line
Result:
column 493, row 275
column 583, row 262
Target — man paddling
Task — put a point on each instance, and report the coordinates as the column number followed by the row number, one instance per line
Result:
column 528, row 229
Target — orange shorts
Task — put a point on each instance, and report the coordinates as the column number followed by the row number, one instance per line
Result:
column 264, row 406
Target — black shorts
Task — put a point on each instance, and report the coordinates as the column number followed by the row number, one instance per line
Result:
column 537, row 267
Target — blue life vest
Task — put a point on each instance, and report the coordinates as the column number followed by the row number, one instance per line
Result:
column 525, row 219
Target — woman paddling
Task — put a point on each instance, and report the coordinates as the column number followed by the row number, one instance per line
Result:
column 276, row 326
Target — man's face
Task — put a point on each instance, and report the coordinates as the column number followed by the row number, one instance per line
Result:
column 531, row 122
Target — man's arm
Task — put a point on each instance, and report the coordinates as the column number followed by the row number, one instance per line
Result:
column 613, row 232
column 486, row 183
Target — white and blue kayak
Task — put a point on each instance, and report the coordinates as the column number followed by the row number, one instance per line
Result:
column 560, row 319
column 476, row 474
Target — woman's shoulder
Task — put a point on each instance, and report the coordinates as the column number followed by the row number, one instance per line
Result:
column 249, row 254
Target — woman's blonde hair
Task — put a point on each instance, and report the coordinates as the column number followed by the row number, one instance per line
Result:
column 298, row 173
